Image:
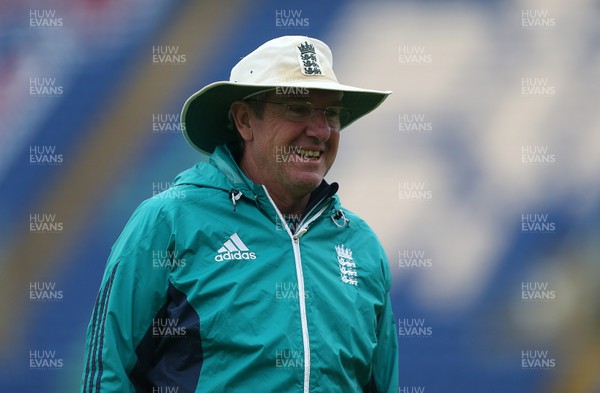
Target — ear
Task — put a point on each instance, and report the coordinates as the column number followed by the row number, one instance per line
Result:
column 241, row 116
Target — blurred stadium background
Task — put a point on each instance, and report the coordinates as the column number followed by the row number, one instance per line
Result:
column 481, row 173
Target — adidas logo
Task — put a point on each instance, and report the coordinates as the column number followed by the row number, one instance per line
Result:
column 234, row 249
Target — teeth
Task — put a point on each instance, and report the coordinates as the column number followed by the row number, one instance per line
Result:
column 309, row 153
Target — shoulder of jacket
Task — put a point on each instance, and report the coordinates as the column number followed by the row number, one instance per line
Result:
column 357, row 222
column 172, row 201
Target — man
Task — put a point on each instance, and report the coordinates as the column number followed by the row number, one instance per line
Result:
column 257, row 280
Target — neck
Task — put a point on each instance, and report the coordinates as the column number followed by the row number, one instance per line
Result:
column 287, row 204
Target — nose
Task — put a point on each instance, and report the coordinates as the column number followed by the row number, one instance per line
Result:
column 318, row 127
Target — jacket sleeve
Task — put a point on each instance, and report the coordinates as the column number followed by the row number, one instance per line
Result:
column 133, row 289
column 385, row 358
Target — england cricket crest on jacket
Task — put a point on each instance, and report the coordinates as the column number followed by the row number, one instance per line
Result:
column 347, row 265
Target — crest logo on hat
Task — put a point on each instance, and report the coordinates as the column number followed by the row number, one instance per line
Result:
column 308, row 59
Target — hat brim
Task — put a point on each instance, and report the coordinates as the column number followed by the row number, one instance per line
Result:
column 204, row 117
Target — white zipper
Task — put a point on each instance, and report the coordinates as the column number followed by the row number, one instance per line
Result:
column 303, row 319
column 300, row 279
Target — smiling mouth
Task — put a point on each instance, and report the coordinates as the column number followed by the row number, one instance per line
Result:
column 309, row 154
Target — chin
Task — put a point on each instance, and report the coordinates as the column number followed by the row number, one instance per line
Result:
column 309, row 182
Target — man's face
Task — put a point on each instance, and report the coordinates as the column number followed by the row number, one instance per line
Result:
column 294, row 154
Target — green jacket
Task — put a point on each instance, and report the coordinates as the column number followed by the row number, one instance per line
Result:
column 210, row 289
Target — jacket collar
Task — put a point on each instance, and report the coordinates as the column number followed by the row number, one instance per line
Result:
column 223, row 159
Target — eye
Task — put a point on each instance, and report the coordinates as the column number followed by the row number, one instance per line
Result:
column 299, row 110
column 332, row 112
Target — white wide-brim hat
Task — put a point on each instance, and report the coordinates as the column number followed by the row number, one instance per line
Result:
column 286, row 62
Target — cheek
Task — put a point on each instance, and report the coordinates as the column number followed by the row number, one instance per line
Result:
column 267, row 142
column 334, row 142
column 284, row 135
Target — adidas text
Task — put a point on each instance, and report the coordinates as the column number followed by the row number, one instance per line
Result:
column 235, row 256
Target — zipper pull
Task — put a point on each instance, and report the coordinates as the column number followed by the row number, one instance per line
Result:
column 339, row 219
column 235, row 196
column 301, row 232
